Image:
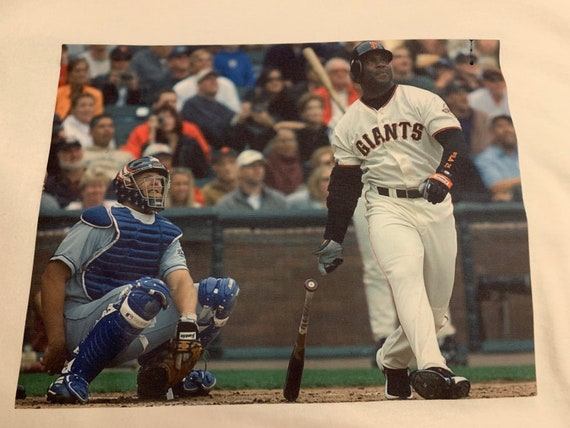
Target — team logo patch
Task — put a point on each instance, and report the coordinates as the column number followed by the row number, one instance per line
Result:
column 445, row 108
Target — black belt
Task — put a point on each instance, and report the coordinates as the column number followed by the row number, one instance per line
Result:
column 400, row 193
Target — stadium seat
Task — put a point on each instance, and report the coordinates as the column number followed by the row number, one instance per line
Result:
column 126, row 118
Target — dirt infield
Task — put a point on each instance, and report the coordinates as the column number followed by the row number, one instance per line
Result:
column 275, row 396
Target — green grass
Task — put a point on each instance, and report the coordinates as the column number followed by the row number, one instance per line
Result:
column 125, row 381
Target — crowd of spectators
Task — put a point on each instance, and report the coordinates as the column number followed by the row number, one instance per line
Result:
column 248, row 127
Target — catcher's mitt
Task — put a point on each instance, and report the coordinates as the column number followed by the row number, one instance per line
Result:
column 159, row 370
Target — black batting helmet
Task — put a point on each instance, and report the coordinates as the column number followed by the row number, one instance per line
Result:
column 361, row 49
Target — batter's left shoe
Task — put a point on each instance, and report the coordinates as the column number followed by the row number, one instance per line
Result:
column 198, row 382
column 437, row 383
column 397, row 384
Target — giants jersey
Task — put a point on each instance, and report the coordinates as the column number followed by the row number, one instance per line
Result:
column 394, row 145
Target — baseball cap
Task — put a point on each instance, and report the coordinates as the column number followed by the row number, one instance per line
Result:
column 121, row 53
column 248, row 157
column 202, row 74
column 224, row 152
column 178, row 51
column 68, row 143
column 156, row 149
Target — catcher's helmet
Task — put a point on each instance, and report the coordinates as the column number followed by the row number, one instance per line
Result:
column 128, row 190
column 361, row 49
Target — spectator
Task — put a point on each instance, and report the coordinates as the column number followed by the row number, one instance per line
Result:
column 235, row 64
column 403, row 70
column 314, row 195
column 76, row 124
column 120, row 86
column 312, row 132
column 179, row 63
column 322, row 156
column 467, row 71
column 338, row 70
column 443, row 74
column 65, row 185
column 254, row 126
column 492, row 97
column 271, row 94
column 214, row 119
column 289, row 60
column 103, row 154
column 92, row 188
column 341, row 50
column 269, row 103
column 149, row 64
column 226, row 171
column 77, row 83
column 162, row 152
column 252, row 194
column 310, row 84
column 474, row 124
column 140, row 135
column 183, row 191
column 97, row 56
column 498, row 164
column 284, row 167
column 165, row 126
column 227, row 94
column 427, row 52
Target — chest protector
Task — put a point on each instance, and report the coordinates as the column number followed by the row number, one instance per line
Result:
column 135, row 251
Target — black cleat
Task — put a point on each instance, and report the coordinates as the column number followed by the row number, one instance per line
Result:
column 397, row 384
column 437, row 383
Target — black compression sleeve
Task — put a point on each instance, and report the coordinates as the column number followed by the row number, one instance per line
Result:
column 345, row 188
column 455, row 149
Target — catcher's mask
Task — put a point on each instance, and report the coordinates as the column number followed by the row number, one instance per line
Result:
column 359, row 51
column 129, row 191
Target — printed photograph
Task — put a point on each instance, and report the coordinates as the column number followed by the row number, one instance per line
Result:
column 279, row 223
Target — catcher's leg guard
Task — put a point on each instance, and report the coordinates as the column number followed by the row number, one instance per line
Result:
column 116, row 329
column 220, row 296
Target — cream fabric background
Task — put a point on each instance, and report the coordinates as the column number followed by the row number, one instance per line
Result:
column 534, row 39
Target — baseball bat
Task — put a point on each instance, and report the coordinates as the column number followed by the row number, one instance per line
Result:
column 316, row 65
column 297, row 359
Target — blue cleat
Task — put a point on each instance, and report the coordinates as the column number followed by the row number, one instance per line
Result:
column 198, row 382
column 68, row 389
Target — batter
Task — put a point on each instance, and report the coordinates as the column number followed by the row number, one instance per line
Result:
column 403, row 145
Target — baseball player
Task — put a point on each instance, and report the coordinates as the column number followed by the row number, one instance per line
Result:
column 401, row 143
column 118, row 288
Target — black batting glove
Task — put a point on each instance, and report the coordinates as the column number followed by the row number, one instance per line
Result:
column 435, row 188
column 330, row 256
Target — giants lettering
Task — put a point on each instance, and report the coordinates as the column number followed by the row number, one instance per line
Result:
column 391, row 131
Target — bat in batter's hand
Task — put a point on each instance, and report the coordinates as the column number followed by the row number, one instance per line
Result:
column 316, row 65
column 297, row 359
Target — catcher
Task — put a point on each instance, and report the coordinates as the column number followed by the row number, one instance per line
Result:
column 118, row 288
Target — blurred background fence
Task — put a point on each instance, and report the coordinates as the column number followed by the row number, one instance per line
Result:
column 269, row 254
